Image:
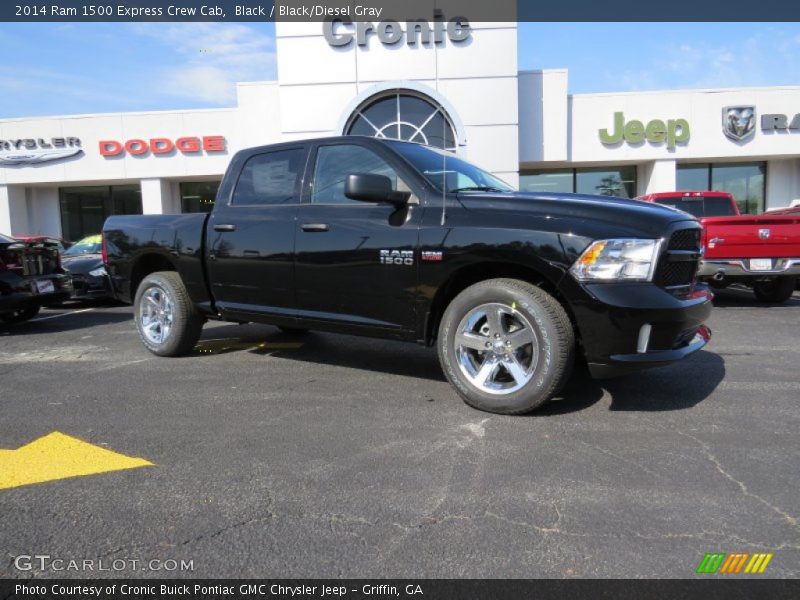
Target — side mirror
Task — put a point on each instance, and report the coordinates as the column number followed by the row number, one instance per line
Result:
column 368, row 187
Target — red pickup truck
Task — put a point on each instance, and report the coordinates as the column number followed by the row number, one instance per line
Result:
column 762, row 252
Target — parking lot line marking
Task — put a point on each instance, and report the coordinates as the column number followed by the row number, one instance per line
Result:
column 60, row 456
column 65, row 314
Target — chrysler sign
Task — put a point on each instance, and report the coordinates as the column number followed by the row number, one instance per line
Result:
column 24, row 152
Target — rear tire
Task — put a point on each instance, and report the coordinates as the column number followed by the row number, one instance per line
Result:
column 506, row 345
column 21, row 315
column 166, row 319
column 775, row 291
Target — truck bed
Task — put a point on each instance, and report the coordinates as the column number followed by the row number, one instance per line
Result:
column 176, row 239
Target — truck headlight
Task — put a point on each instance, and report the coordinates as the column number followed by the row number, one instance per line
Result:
column 618, row 260
column 100, row 272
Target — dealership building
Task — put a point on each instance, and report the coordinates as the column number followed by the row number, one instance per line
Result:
column 446, row 83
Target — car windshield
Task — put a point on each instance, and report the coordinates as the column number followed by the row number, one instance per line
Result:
column 698, row 206
column 445, row 171
column 88, row 245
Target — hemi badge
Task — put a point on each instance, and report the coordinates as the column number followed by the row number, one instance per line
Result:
column 432, row 255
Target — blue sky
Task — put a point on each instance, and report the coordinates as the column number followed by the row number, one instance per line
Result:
column 70, row 68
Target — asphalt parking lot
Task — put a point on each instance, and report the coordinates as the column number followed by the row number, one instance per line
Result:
column 336, row 456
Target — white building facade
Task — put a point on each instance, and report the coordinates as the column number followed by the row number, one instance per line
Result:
column 451, row 84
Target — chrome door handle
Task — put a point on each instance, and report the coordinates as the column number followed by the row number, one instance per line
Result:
column 224, row 227
column 315, row 227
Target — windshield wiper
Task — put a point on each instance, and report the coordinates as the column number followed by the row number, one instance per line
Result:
column 476, row 188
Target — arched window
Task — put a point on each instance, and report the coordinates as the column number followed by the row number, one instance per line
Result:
column 403, row 115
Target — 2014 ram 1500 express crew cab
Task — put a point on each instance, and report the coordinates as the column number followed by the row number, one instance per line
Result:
column 398, row 240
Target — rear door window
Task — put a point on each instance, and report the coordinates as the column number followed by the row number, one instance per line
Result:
column 270, row 178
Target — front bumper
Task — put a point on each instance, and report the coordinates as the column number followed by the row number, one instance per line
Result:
column 740, row 267
column 629, row 326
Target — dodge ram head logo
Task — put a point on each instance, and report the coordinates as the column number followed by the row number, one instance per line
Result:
column 763, row 234
column 739, row 122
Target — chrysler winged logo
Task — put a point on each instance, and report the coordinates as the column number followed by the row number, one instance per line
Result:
column 739, row 122
column 39, row 156
column 24, row 152
column 763, row 234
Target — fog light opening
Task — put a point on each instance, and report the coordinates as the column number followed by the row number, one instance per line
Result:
column 644, row 338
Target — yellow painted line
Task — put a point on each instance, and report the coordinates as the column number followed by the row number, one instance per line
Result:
column 59, row 456
column 764, row 564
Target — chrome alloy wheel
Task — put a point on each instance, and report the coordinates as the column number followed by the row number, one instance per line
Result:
column 497, row 348
column 156, row 314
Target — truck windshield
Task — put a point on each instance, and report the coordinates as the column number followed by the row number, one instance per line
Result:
column 699, row 206
column 447, row 172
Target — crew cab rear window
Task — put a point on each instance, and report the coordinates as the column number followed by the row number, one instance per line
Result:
column 699, row 206
column 269, row 178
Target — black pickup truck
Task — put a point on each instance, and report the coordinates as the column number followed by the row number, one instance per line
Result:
column 398, row 240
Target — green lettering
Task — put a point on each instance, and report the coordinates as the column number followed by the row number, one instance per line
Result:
column 616, row 137
column 677, row 132
column 656, row 131
column 634, row 132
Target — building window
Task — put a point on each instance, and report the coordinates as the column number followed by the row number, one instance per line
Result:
column 746, row 181
column 404, row 115
column 198, row 196
column 604, row 181
column 85, row 209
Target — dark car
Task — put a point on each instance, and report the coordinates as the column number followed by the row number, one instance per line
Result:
column 398, row 240
column 83, row 260
column 30, row 276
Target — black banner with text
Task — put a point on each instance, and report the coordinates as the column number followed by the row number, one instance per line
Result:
column 396, row 10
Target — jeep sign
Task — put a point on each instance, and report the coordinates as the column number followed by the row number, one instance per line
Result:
column 340, row 32
column 671, row 132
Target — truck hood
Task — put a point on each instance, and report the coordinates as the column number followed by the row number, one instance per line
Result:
column 618, row 216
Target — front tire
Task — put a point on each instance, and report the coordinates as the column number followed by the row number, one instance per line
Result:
column 506, row 345
column 774, row 291
column 166, row 320
column 21, row 315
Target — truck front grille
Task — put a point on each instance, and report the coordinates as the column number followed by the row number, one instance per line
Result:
column 679, row 263
column 685, row 239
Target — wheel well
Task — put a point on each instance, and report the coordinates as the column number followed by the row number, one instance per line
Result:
column 471, row 275
column 149, row 263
